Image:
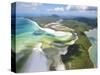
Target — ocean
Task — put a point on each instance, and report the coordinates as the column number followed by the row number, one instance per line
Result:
column 92, row 35
column 24, row 33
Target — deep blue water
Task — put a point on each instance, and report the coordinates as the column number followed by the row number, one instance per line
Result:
column 23, row 25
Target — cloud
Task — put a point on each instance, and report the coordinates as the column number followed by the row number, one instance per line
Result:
column 24, row 4
column 68, row 7
column 31, row 8
column 56, row 9
column 23, row 7
column 76, row 7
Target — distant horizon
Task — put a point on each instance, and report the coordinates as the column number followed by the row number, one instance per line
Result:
column 40, row 15
column 44, row 9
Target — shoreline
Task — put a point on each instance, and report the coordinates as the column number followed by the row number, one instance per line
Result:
column 92, row 33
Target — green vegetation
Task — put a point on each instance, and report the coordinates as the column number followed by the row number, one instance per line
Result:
column 92, row 22
column 77, row 25
column 78, row 56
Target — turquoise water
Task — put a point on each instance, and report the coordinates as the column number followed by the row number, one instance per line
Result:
column 93, row 51
column 28, row 28
column 92, row 34
column 28, row 31
column 22, row 26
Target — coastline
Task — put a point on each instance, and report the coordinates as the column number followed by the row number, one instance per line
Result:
column 91, row 32
column 92, row 51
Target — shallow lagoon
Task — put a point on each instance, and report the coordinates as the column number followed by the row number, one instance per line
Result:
column 28, row 34
column 92, row 35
